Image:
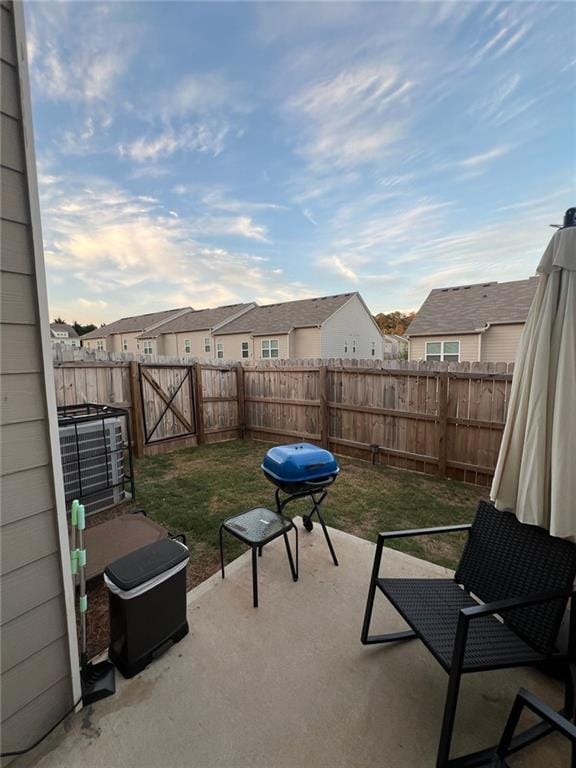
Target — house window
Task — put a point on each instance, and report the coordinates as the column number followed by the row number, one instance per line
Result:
column 187, row 346
column 345, row 346
column 147, row 347
column 207, row 344
column 100, row 344
column 373, row 349
column 353, row 346
column 244, row 349
column 220, row 350
column 125, row 345
column 449, row 351
column 269, row 347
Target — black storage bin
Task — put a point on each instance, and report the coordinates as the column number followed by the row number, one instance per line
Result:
column 147, row 597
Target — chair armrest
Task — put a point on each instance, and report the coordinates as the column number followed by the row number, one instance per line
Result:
column 501, row 606
column 382, row 537
column 423, row 531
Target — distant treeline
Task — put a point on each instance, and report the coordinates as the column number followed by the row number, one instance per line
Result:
column 394, row 322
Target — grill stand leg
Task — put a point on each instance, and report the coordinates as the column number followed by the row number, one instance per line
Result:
column 281, row 505
column 326, row 536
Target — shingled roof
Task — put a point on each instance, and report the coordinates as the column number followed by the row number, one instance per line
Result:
column 64, row 327
column 281, row 318
column 468, row 308
column 197, row 320
column 135, row 323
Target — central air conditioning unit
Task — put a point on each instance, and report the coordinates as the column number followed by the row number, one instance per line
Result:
column 92, row 452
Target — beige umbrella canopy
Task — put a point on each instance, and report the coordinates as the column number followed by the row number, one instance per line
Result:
column 536, row 471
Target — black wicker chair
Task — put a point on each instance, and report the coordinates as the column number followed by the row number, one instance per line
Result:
column 526, row 700
column 520, row 574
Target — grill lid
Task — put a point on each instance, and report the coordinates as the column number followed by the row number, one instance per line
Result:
column 299, row 462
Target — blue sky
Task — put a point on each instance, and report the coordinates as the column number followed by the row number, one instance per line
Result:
column 207, row 153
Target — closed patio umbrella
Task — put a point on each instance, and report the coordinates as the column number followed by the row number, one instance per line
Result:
column 536, row 471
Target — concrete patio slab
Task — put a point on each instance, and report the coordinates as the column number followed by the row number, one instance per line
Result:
column 289, row 685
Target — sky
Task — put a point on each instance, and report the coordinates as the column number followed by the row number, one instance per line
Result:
column 199, row 154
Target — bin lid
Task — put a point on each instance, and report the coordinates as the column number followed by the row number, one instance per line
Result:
column 146, row 563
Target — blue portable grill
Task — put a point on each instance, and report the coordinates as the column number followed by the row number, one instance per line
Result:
column 300, row 467
column 302, row 470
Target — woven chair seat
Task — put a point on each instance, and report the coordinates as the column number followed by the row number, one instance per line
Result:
column 431, row 607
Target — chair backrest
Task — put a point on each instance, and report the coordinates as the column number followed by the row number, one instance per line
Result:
column 505, row 558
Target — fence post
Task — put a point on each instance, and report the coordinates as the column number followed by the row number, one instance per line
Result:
column 442, row 423
column 199, row 403
column 136, row 411
column 241, row 400
column 324, row 410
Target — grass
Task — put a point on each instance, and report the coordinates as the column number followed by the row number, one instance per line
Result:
column 193, row 490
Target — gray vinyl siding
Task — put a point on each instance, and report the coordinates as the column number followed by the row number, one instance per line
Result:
column 36, row 686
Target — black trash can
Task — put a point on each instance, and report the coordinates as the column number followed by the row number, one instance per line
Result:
column 147, row 597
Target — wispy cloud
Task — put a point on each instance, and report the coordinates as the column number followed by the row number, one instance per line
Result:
column 203, row 94
column 508, row 33
column 79, row 53
column 347, row 117
column 217, row 199
column 241, row 226
column 201, row 137
column 475, row 161
column 337, row 265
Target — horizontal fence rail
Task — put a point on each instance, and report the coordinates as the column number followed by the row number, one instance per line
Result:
column 436, row 418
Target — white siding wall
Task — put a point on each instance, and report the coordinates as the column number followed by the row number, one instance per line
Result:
column 352, row 321
column 305, row 342
column 500, row 343
column 36, row 684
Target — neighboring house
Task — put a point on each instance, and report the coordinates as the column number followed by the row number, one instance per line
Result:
column 123, row 335
column 64, row 335
column 481, row 322
column 40, row 666
column 329, row 326
column 395, row 346
column 191, row 333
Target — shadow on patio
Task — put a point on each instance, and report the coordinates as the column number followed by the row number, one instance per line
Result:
column 290, row 685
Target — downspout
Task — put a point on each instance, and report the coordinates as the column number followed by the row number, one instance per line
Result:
column 480, row 331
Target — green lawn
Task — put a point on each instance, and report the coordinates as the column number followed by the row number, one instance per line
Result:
column 193, row 490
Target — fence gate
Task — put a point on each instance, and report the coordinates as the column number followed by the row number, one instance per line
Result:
column 167, row 393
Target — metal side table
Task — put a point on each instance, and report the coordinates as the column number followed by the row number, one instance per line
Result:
column 256, row 528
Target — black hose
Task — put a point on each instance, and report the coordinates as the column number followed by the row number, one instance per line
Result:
column 17, row 752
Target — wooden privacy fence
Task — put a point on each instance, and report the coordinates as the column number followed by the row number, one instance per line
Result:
column 445, row 422
column 437, row 422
